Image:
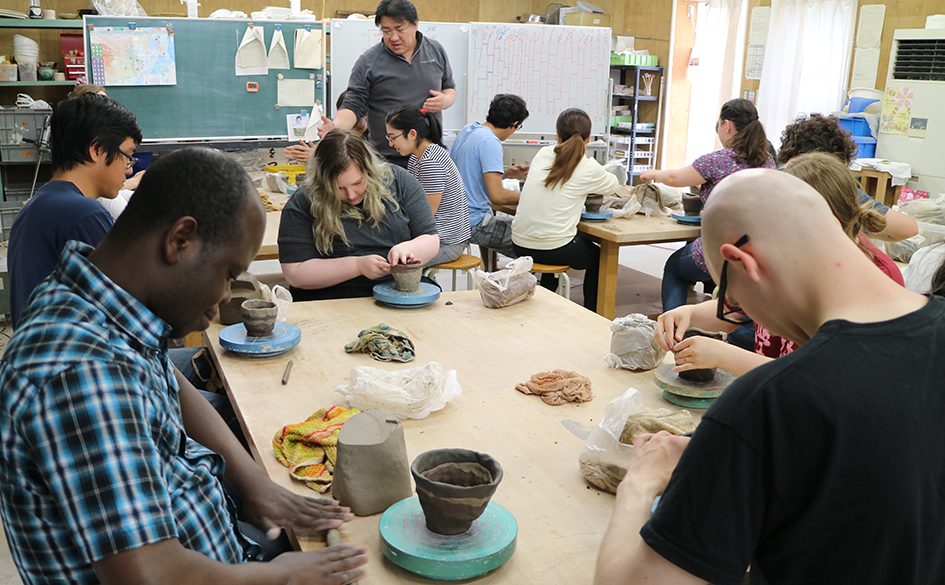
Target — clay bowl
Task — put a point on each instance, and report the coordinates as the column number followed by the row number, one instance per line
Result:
column 259, row 317
column 454, row 486
column 692, row 204
column 243, row 288
column 593, row 202
column 701, row 375
column 406, row 276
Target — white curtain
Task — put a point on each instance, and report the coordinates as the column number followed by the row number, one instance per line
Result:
column 715, row 70
column 807, row 61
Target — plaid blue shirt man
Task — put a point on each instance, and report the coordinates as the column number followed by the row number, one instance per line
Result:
column 94, row 459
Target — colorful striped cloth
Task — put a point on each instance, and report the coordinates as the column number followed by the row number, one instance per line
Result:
column 309, row 448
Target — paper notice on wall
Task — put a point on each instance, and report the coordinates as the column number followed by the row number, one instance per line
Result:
column 251, row 54
column 897, row 110
column 296, row 92
column 865, row 64
column 754, row 61
column 758, row 26
column 869, row 32
column 308, row 49
column 278, row 55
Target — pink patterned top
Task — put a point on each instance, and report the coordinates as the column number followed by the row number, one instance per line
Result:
column 714, row 167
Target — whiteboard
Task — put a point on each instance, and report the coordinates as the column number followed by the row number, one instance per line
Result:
column 350, row 38
column 551, row 67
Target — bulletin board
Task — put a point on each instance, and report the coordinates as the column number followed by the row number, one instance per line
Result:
column 209, row 101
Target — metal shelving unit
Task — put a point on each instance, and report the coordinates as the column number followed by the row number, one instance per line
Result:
column 636, row 146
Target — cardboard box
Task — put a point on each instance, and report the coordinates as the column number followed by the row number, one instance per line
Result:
column 581, row 18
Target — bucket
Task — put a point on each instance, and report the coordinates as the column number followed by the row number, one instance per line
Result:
column 855, row 105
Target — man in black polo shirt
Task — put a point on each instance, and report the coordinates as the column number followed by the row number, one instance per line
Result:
column 407, row 68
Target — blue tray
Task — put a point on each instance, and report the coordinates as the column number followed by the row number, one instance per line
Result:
column 597, row 215
column 424, row 295
column 284, row 337
column 687, row 219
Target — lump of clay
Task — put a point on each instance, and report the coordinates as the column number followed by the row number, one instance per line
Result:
column 654, row 420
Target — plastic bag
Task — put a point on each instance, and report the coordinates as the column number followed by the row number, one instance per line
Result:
column 608, row 450
column 281, row 297
column 632, row 346
column 621, row 206
column 904, row 249
column 118, row 8
column 927, row 210
column 672, row 196
column 618, row 169
column 408, row 393
column 513, row 284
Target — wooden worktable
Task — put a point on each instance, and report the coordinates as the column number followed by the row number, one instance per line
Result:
column 561, row 520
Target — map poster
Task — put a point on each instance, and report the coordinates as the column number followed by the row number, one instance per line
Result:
column 132, row 56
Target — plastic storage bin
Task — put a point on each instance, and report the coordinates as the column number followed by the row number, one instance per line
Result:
column 855, row 126
column 17, row 125
column 865, row 146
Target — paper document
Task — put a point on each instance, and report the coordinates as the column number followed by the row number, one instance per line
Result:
column 870, row 30
column 308, row 49
column 251, row 54
column 754, row 61
column 865, row 64
column 296, row 92
column 758, row 27
column 314, row 122
column 278, row 55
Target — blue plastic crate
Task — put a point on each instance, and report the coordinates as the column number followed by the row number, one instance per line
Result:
column 855, row 126
column 865, row 146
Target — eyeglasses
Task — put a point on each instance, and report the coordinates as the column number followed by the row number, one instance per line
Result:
column 397, row 30
column 722, row 313
column 518, row 125
column 132, row 160
column 392, row 137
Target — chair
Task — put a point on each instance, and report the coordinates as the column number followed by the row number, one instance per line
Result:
column 560, row 272
column 466, row 262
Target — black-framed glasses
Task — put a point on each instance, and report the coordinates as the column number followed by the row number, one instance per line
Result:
column 723, row 310
column 393, row 137
column 132, row 160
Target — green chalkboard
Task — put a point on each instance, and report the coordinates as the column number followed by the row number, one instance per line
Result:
column 209, row 101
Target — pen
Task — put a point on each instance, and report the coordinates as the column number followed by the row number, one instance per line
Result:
column 285, row 375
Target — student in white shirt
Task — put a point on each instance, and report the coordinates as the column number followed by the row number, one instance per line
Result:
column 560, row 179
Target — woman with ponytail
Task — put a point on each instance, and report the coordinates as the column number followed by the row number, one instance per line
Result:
column 416, row 133
column 829, row 177
column 560, row 179
column 745, row 146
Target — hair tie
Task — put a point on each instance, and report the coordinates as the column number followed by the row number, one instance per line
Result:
column 424, row 111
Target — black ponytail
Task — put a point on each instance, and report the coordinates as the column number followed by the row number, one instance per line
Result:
column 421, row 120
column 750, row 142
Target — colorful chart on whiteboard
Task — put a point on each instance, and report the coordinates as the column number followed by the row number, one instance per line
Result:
column 132, row 56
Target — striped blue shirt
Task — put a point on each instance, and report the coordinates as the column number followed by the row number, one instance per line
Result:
column 94, row 459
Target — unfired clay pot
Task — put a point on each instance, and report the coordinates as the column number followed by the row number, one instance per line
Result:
column 692, row 204
column 406, row 276
column 245, row 287
column 701, row 374
column 454, row 487
column 259, row 317
column 593, row 202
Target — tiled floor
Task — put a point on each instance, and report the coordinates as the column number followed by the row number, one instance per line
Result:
column 647, row 259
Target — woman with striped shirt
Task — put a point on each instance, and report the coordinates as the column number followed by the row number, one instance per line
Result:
column 416, row 133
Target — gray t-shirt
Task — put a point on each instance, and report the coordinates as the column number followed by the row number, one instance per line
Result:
column 412, row 218
column 381, row 82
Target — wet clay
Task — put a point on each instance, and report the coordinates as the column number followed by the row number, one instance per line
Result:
column 259, row 317
column 406, row 276
column 593, row 203
column 701, row 375
column 454, row 487
column 692, row 204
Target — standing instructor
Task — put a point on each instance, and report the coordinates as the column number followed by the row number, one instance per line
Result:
column 406, row 68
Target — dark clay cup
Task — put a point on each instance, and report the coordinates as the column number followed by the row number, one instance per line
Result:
column 692, row 204
column 700, row 375
column 259, row 317
column 406, row 276
column 593, row 202
column 454, row 487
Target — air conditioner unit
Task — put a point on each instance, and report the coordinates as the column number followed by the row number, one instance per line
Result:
column 917, row 67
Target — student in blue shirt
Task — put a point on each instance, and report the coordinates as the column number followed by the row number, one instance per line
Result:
column 477, row 153
column 113, row 464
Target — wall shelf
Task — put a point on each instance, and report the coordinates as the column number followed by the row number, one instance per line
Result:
column 34, row 83
column 39, row 23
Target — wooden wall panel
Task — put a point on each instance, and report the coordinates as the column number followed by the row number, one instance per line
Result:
column 900, row 14
column 677, row 107
column 751, row 84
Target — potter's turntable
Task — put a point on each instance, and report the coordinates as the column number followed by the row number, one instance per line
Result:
column 284, row 337
column 486, row 546
column 690, row 394
column 386, row 293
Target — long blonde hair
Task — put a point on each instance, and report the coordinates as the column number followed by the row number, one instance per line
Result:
column 336, row 151
column 833, row 180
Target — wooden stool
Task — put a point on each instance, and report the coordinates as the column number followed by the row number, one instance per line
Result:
column 465, row 262
column 560, row 272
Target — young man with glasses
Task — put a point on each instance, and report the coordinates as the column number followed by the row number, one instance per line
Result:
column 93, row 140
column 823, row 466
column 404, row 69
